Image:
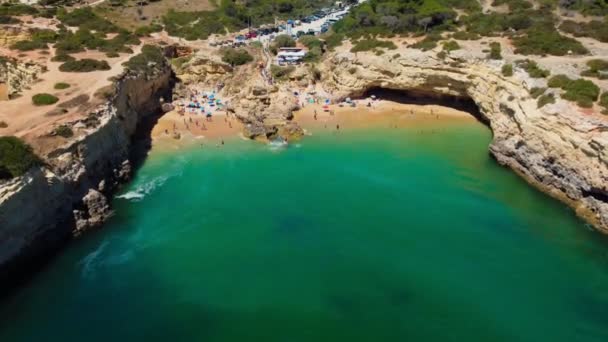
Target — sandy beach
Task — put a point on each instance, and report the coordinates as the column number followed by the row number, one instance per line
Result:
column 380, row 113
column 174, row 130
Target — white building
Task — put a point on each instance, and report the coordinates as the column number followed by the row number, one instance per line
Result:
column 288, row 55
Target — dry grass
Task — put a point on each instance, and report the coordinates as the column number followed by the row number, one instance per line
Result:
column 128, row 17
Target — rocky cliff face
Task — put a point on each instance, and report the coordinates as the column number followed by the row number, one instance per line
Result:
column 18, row 75
column 51, row 204
column 557, row 148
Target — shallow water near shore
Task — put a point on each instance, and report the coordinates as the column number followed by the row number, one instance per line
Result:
column 375, row 234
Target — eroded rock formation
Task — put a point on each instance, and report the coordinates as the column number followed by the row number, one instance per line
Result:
column 69, row 195
column 556, row 147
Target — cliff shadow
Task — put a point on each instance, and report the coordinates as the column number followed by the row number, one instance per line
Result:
column 141, row 141
column 423, row 97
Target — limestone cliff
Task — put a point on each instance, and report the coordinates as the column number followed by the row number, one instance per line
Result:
column 49, row 205
column 15, row 76
column 556, row 147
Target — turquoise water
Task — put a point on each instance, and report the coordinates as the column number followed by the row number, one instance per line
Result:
column 363, row 235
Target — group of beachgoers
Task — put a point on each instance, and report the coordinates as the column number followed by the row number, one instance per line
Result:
column 205, row 103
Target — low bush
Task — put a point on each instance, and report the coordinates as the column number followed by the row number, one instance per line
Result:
column 598, row 68
column 236, row 56
column 451, row 46
column 16, row 157
column 150, row 57
column 145, row 31
column 62, row 58
column 559, row 81
column 84, row 65
column 595, row 29
column 29, row 45
column 61, row 85
column 547, row 41
column 536, row 92
column 280, row 73
column 495, row 51
column 372, row 44
column 545, row 100
column 3, row 124
column 464, row 35
column 532, row 68
column 428, row 43
column 507, row 70
column 604, row 102
column 583, row 92
column 44, row 99
column 64, row 131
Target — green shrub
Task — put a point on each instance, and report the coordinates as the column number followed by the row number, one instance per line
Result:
column 62, row 58
column 547, row 41
column 279, row 72
column 583, row 92
column 61, row 85
column 334, row 40
column 450, row 46
column 536, row 92
column 464, row 35
column 545, row 100
column 150, row 57
column 64, row 131
column 532, row 68
column 16, row 157
column 44, row 99
column 595, row 29
column 507, row 70
column 495, row 51
column 29, row 45
column 84, row 65
column 598, row 68
column 145, row 31
column 236, row 56
column 282, row 41
column 604, row 102
column 559, row 81
column 372, row 44
column 428, row 43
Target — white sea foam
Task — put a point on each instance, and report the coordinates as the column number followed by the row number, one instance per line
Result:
column 89, row 263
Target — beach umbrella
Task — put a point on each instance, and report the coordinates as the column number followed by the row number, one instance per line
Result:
column 348, row 99
column 373, row 97
column 327, row 101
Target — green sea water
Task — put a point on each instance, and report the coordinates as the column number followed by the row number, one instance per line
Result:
column 410, row 234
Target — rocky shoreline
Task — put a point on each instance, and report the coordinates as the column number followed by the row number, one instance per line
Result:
column 556, row 148
column 44, row 209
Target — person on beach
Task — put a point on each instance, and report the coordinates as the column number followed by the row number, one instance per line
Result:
column 337, row 127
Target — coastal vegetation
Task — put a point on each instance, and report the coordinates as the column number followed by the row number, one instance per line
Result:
column 581, row 91
column 63, row 131
column 604, row 102
column 545, row 99
column 532, row 68
column 16, row 157
column 3, row 124
column 495, row 51
column 236, row 57
column 61, row 85
column 507, row 70
column 372, row 44
column 44, row 99
column 598, row 68
column 150, row 57
column 281, row 73
column 84, row 65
